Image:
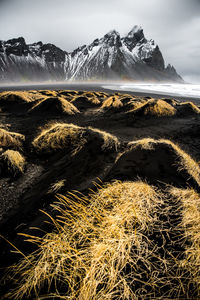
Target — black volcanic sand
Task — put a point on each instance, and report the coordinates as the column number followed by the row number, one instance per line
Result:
column 22, row 196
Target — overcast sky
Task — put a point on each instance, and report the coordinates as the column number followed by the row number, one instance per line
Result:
column 173, row 24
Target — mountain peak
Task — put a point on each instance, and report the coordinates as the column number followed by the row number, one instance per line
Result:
column 136, row 34
column 135, row 30
column 16, row 41
column 112, row 38
column 113, row 32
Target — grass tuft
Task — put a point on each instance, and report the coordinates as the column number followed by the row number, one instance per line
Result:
column 158, row 108
column 58, row 136
column 55, row 187
column 54, row 105
column 10, row 139
column 112, row 101
column 13, row 161
column 190, row 211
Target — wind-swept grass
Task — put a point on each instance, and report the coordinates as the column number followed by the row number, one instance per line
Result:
column 56, row 186
column 92, row 246
column 157, row 108
column 113, row 244
column 10, row 139
column 113, row 101
column 19, row 96
column 54, row 105
column 58, row 136
column 13, row 161
column 190, row 211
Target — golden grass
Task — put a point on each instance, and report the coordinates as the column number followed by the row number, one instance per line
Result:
column 100, row 247
column 190, row 210
column 62, row 135
column 23, row 96
column 92, row 246
column 109, row 141
column 158, row 108
column 10, row 139
column 48, row 93
column 55, row 187
column 92, row 97
column 59, row 136
column 64, row 106
column 14, row 161
column 112, row 101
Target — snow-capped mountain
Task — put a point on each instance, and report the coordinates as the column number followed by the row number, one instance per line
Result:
column 132, row 57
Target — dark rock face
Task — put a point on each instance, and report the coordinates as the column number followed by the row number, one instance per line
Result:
column 132, row 57
column 156, row 60
column 16, row 46
column 135, row 36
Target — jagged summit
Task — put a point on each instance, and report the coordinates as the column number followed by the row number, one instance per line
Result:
column 136, row 31
column 112, row 33
column 132, row 57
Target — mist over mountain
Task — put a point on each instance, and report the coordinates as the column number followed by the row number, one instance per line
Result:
column 111, row 57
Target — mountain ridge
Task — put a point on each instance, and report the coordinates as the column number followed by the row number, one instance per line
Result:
column 111, row 57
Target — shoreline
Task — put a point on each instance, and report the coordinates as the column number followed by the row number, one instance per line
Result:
column 98, row 88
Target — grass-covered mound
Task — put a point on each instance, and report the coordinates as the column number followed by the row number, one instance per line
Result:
column 10, row 139
column 172, row 102
column 48, row 93
column 188, row 108
column 12, row 162
column 54, row 105
column 70, row 137
column 85, row 101
column 155, row 108
column 124, row 244
column 18, row 101
column 19, row 96
column 113, row 102
column 157, row 161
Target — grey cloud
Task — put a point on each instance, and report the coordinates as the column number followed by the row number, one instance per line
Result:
column 173, row 24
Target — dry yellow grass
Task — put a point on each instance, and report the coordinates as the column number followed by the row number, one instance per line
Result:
column 113, row 101
column 10, row 139
column 158, row 108
column 109, row 141
column 56, row 104
column 190, row 211
column 92, row 246
column 61, row 135
column 22, row 96
column 92, row 97
column 48, row 93
column 55, row 187
column 102, row 250
column 14, row 161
